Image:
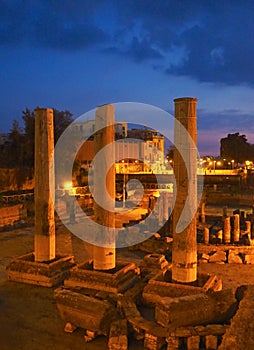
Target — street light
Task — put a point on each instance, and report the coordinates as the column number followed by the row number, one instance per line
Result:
column 232, row 161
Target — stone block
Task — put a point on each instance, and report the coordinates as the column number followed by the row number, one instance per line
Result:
column 172, row 343
column 152, row 342
column 118, row 339
column 192, row 310
column 211, row 342
column 48, row 274
column 219, row 256
column 249, row 259
column 118, row 280
column 85, row 311
column 193, row 342
column 234, row 258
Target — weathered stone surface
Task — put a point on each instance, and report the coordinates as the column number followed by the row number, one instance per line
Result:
column 234, row 258
column 49, row 274
column 9, row 215
column 196, row 309
column 211, row 342
column 152, row 342
column 184, row 253
column 157, row 261
column 173, row 343
column 205, row 256
column 118, row 339
column 139, row 323
column 69, row 327
column 123, row 277
column 90, row 335
column 240, row 334
column 44, row 229
column 104, row 257
column 219, row 256
column 202, row 331
column 85, row 311
column 249, row 259
column 160, row 287
column 193, row 343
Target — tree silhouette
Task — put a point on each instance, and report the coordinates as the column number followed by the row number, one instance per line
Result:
column 236, row 146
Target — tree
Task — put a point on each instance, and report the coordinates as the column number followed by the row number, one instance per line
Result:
column 62, row 119
column 235, row 146
column 18, row 151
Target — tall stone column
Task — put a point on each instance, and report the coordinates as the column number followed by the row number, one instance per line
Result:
column 184, row 254
column 227, row 230
column 44, row 238
column 236, row 230
column 104, row 257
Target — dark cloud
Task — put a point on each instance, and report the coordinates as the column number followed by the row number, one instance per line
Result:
column 138, row 50
column 228, row 121
column 216, row 36
column 54, row 24
column 210, row 41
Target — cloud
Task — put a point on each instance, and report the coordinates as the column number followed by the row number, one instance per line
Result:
column 209, row 41
column 53, row 24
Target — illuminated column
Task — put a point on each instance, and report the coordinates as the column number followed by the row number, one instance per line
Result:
column 165, row 206
column 104, row 257
column 219, row 236
column 44, row 237
column 248, row 228
column 206, row 235
column 203, row 213
column 236, row 232
column 227, row 230
column 184, row 254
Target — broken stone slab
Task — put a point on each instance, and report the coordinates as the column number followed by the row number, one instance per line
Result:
column 118, row 336
column 199, row 309
column 90, row 335
column 202, row 331
column 157, row 261
column 172, row 343
column 219, row 256
column 234, row 258
column 249, row 259
column 152, row 342
column 85, row 311
column 239, row 334
column 69, row 327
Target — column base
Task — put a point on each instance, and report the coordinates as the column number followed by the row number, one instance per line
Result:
column 51, row 273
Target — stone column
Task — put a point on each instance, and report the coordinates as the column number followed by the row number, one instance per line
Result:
column 206, row 235
column 202, row 213
column 160, row 209
column 227, row 230
column 248, row 228
column 219, row 236
column 44, row 237
column 165, row 206
column 236, row 232
column 104, row 257
column 184, row 253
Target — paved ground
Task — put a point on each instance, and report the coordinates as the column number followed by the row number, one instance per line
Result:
column 29, row 318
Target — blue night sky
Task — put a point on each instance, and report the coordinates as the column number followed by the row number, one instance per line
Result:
column 76, row 55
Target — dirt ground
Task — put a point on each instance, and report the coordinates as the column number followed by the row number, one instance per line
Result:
column 29, row 319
